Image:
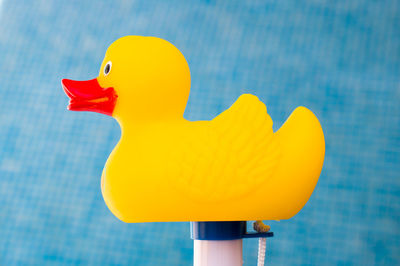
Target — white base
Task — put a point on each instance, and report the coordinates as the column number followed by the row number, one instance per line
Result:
column 218, row 253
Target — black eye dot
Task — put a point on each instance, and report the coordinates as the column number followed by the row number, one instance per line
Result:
column 107, row 68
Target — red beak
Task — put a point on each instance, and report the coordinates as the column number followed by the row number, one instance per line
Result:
column 89, row 96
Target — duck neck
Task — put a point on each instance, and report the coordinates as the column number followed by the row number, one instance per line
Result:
column 131, row 128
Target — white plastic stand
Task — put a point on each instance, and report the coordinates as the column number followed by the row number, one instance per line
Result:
column 218, row 252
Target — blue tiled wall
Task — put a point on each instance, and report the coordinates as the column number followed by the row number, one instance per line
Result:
column 339, row 58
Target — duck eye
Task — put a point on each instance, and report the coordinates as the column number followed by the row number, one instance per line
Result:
column 107, row 68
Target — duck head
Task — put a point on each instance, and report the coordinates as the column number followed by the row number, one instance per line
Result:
column 141, row 79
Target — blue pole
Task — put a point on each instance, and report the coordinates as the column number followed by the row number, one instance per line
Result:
column 220, row 243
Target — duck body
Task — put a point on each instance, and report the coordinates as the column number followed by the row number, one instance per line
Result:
column 166, row 168
column 231, row 168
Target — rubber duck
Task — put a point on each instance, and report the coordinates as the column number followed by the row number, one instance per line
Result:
column 166, row 168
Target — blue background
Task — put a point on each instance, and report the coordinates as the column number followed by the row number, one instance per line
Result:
column 339, row 58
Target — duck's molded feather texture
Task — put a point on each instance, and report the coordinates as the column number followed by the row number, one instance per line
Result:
column 230, row 156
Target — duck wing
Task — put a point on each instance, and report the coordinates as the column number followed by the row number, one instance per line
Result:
column 228, row 157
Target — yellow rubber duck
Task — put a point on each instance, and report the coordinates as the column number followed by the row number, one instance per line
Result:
column 166, row 168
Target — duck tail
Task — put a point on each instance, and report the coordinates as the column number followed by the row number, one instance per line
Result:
column 302, row 155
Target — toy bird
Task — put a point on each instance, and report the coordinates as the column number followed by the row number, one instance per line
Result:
column 166, row 168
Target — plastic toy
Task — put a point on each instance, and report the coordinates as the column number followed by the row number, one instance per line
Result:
column 166, row 168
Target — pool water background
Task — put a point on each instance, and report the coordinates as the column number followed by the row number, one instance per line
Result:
column 341, row 59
